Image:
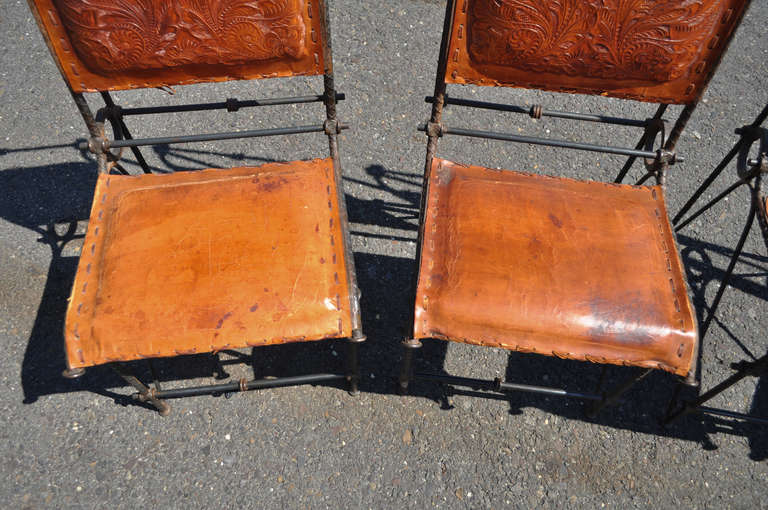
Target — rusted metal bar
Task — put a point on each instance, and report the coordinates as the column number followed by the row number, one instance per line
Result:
column 232, row 135
column 231, row 105
column 494, row 135
column 235, row 386
column 537, row 111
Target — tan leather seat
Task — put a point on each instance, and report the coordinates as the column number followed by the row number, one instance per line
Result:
column 209, row 260
column 575, row 269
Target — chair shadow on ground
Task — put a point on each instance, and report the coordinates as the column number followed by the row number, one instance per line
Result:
column 54, row 201
column 65, row 191
column 387, row 296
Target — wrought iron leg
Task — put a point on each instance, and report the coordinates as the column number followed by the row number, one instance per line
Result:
column 145, row 394
column 406, row 370
column 709, row 204
column 747, row 369
column 85, row 112
column 121, row 130
column 73, row 373
column 643, row 139
column 612, row 396
column 728, row 273
column 353, row 361
column 708, row 182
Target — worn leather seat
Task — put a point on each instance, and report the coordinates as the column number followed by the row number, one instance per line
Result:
column 579, row 270
column 209, row 260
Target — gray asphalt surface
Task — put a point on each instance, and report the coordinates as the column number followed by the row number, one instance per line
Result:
column 72, row 444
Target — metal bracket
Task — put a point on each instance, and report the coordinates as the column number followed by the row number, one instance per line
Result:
column 95, row 144
column 658, row 165
column 749, row 168
column 434, row 129
column 331, row 127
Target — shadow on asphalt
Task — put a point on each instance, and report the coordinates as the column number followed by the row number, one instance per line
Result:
column 51, row 200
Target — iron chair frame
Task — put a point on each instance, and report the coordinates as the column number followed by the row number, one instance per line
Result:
column 750, row 173
column 101, row 146
column 657, row 162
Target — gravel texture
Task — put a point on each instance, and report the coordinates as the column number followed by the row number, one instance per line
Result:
column 71, row 444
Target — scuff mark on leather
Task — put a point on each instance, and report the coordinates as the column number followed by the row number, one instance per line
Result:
column 221, row 321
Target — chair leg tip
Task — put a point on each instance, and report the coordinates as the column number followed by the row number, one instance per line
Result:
column 165, row 410
column 73, row 373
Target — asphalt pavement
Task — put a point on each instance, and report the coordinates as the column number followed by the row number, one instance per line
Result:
column 71, row 444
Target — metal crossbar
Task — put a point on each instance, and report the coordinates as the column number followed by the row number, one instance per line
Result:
column 166, row 140
column 537, row 111
column 566, row 144
column 231, row 105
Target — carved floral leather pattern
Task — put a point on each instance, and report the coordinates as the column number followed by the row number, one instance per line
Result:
column 127, row 44
column 648, row 50
column 643, row 40
column 132, row 35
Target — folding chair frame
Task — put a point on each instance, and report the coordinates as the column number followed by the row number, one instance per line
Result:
column 657, row 161
column 100, row 145
column 750, row 173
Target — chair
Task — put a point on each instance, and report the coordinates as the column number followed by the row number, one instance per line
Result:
column 210, row 260
column 573, row 269
column 750, row 173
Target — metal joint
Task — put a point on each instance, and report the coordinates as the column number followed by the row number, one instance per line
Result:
column 113, row 111
column 95, row 144
column 535, row 112
column 655, row 124
column 243, row 384
column 233, row 104
column 434, row 129
column 747, row 168
column 749, row 132
column 760, row 164
column 331, row 127
column 146, row 396
column 665, row 157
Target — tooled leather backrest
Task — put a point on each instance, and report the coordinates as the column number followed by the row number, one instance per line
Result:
column 649, row 50
column 125, row 44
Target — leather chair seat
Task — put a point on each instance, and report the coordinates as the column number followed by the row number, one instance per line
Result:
column 574, row 269
column 196, row 262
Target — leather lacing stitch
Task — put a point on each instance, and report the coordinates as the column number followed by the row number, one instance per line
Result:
column 89, row 251
column 429, row 258
column 334, row 261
